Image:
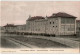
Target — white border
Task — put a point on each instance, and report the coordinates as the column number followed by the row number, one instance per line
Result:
column 39, row 0
column 39, row 54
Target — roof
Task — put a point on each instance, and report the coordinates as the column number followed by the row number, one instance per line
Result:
column 35, row 17
column 20, row 25
column 9, row 25
column 61, row 14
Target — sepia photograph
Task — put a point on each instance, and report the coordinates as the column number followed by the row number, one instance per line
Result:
column 40, row 26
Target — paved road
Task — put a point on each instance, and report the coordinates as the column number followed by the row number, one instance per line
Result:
column 5, row 43
column 14, row 41
column 36, row 40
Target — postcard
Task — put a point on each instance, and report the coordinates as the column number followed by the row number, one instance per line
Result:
column 40, row 27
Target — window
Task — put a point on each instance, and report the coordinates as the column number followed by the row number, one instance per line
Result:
column 38, row 29
column 72, row 20
column 79, row 29
column 50, row 22
column 33, row 29
column 53, row 22
column 67, row 20
column 63, row 20
column 62, row 28
column 67, row 27
column 72, row 28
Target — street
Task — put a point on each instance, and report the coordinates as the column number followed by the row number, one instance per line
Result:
column 31, row 41
column 7, row 43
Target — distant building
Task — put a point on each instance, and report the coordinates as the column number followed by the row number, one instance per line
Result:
column 58, row 24
column 13, row 28
column 2, row 29
column 9, row 28
column 21, row 28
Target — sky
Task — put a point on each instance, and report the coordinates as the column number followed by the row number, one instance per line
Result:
column 17, row 12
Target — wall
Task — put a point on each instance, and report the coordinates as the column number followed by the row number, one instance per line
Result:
column 57, row 26
column 67, row 26
column 78, row 28
column 52, row 26
column 36, row 26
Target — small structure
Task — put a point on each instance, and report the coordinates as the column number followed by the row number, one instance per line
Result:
column 21, row 28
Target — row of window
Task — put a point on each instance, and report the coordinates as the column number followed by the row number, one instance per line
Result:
column 67, row 28
column 9, row 28
column 67, row 20
column 35, row 29
column 39, row 29
column 54, row 26
column 51, row 22
column 42, row 23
